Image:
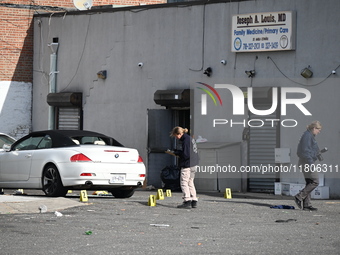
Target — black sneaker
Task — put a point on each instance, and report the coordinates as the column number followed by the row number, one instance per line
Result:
column 194, row 203
column 298, row 202
column 185, row 205
column 310, row 208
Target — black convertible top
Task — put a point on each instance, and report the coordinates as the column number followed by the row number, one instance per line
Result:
column 64, row 138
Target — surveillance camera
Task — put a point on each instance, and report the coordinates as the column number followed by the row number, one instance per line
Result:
column 333, row 72
column 223, row 62
column 140, row 64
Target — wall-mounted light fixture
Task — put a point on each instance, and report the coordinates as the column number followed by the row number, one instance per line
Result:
column 223, row 62
column 250, row 73
column 306, row 72
column 208, row 71
column 102, row 74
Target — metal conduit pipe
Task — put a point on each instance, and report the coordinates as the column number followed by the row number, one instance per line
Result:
column 52, row 80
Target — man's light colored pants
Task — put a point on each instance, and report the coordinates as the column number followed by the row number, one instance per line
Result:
column 187, row 183
column 312, row 181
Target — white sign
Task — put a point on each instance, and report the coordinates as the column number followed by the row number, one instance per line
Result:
column 269, row 31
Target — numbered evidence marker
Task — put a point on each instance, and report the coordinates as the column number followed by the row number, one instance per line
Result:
column 160, row 195
column 168, row 193
column 227, row 193
column 152, row 200
column 83, row 196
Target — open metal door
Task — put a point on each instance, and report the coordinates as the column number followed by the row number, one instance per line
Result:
column 160, row 123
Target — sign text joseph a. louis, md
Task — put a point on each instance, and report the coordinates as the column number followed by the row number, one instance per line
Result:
column 270, row 31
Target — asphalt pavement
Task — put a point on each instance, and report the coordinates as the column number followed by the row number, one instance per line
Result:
column 244, row 224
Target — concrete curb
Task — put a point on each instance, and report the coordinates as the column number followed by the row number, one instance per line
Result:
column 28, row 204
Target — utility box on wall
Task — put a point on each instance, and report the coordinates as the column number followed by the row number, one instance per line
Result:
column 282, row 155
column 218, row 167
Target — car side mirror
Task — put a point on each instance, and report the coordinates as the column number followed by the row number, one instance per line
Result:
column 6, row 147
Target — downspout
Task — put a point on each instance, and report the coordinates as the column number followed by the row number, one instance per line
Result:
column 52, row 80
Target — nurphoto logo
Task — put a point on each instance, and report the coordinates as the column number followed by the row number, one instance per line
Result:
column 204, row 97
column 239, row 106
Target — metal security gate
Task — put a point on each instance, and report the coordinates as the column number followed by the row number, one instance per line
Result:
column 69, row 118
column 261, row 150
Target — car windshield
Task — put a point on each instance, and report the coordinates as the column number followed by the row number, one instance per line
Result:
column 28, row 144
column 5, row 140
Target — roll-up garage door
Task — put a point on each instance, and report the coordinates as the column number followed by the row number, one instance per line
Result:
column 261, row 147
column 68, row 107
column 69, row 118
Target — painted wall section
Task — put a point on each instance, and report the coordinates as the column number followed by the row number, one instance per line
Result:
column 15, row 108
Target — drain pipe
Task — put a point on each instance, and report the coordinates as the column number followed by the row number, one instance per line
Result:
column 52, row 80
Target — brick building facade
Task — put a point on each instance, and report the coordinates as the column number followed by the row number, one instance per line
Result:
column 16, row 56
column 16, row 33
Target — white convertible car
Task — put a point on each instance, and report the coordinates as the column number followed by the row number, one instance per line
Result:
column 56, row 161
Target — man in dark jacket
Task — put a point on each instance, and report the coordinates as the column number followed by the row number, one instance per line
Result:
column 188, row 161
column 308, row 152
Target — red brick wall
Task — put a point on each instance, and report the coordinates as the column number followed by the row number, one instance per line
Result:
column 16, row 34
column 15, row 31
column 69, row 3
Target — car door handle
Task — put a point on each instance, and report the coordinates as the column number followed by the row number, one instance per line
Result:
column 28, row 155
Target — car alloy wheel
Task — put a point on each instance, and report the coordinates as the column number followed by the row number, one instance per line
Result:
column 51, row 182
